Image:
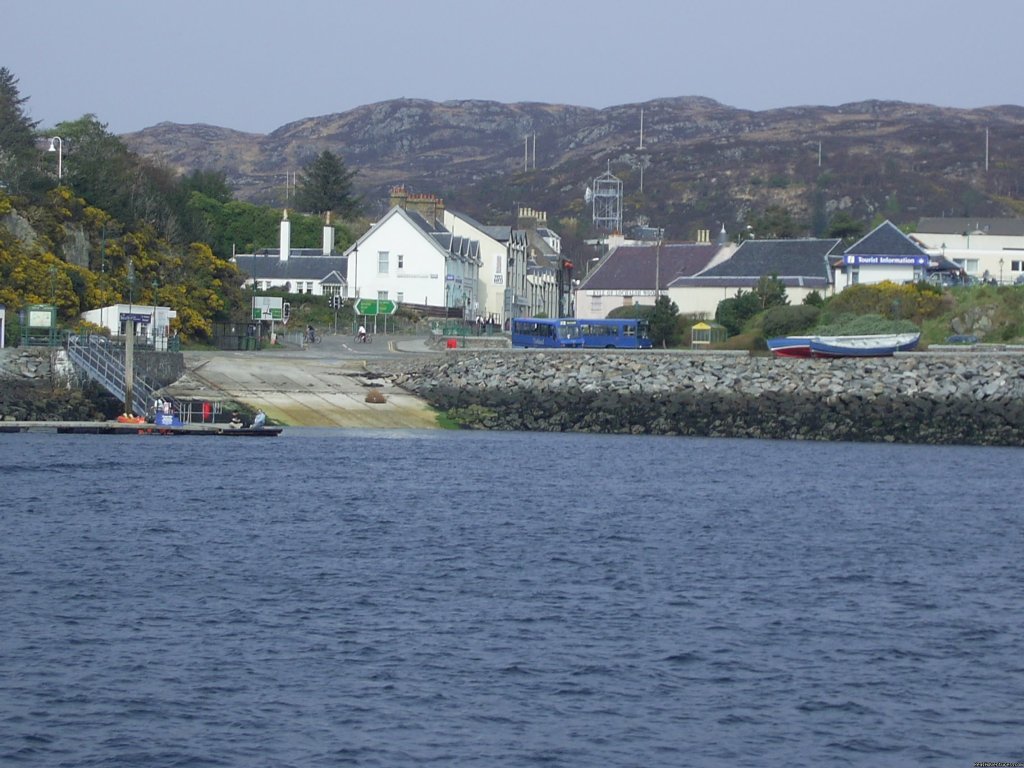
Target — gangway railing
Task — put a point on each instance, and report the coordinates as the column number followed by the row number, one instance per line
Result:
column 102, row 360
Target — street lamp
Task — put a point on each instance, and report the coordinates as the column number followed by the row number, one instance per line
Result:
column 56, row 145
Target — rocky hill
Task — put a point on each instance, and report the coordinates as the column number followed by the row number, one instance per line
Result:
column 703, row 164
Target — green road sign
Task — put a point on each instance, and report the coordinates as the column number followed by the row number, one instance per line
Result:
column 376, row 307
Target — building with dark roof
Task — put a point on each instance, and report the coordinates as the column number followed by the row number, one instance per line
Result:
column 637, row 274
column 801, row 265
column 319, row 272
column 885, row 254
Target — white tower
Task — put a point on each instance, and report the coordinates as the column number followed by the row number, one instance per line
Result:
column 286, row 236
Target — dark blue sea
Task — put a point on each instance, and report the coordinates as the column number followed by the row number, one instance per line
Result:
column 356, row 598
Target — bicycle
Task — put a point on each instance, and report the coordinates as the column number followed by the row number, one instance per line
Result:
column 363, row 339
column 312, row 337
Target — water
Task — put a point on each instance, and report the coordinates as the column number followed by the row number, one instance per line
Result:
column 330, row 598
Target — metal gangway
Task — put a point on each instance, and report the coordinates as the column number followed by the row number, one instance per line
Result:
column 102, row 360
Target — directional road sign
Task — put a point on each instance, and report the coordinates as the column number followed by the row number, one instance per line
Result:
column 376, row 307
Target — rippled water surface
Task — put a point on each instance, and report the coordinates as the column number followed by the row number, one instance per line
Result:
column 413, row 598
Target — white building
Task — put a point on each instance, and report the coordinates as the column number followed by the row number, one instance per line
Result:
column 319, row 272
column 494, row 244
column 153, row 323
column 987, row 249
column 406, row 259
column 884, row 254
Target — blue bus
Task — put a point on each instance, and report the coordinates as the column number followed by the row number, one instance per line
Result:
column 617, row 333
column 545, row 332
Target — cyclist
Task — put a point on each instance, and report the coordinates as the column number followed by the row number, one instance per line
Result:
column 361, row 334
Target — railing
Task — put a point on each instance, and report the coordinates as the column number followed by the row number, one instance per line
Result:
column 103, row 361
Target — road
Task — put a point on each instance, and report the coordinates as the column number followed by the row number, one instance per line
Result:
column 322, row 385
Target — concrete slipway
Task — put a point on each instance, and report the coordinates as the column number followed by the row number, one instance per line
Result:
column 321, row 385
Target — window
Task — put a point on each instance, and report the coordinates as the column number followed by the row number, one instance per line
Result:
column 309, row 286
column 595, row 303
column 382, row 295
column 855, row 276
column 400, row 297
column 382, row 262
column 1017, row 266
column 401, row 261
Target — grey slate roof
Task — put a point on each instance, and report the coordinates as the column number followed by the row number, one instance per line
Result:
column 501, row 232
column 885, row 240
column 633, row 267
column 301, row 267
column 959, row 226
column 795, row 262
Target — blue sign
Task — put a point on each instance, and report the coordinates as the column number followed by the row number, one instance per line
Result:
column 885, row 261
column 136, row 317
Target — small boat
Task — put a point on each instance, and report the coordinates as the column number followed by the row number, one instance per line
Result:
column 790, row 346
column 875, row 345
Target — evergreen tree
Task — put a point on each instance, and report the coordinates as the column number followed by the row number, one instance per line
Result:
column 326, row 185
column 17, row 136
column 771, row 292
column 733, row 313
column 664, row 322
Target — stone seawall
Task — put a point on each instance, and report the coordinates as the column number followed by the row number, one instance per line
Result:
column 964, row 399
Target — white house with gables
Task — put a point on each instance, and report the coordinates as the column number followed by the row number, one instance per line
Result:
column 406, row 259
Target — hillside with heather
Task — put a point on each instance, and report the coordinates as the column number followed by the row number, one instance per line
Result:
column 703, row 164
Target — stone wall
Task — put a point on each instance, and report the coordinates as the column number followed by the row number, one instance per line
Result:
column 963, row 399
column 41, row 384
column 35, row 387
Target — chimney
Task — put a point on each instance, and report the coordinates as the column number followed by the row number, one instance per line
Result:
column 398, row 197
column 286, row 237
column 328, row 236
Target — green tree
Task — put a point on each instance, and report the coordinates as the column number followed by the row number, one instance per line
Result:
column 326, row 185
column 844, row 226
column 733, row 313
column 99, row 167
column 776, row 223
column 17, row 137
column 785, row 321
column 814, row 299
column 771, row 292
column 664, row 323
column 213, row 184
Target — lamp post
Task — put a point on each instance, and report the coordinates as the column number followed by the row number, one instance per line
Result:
column 1000, row 270
column 156, row 288
column 56, row 145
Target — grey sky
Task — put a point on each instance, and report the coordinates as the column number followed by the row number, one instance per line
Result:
column 254, row 65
